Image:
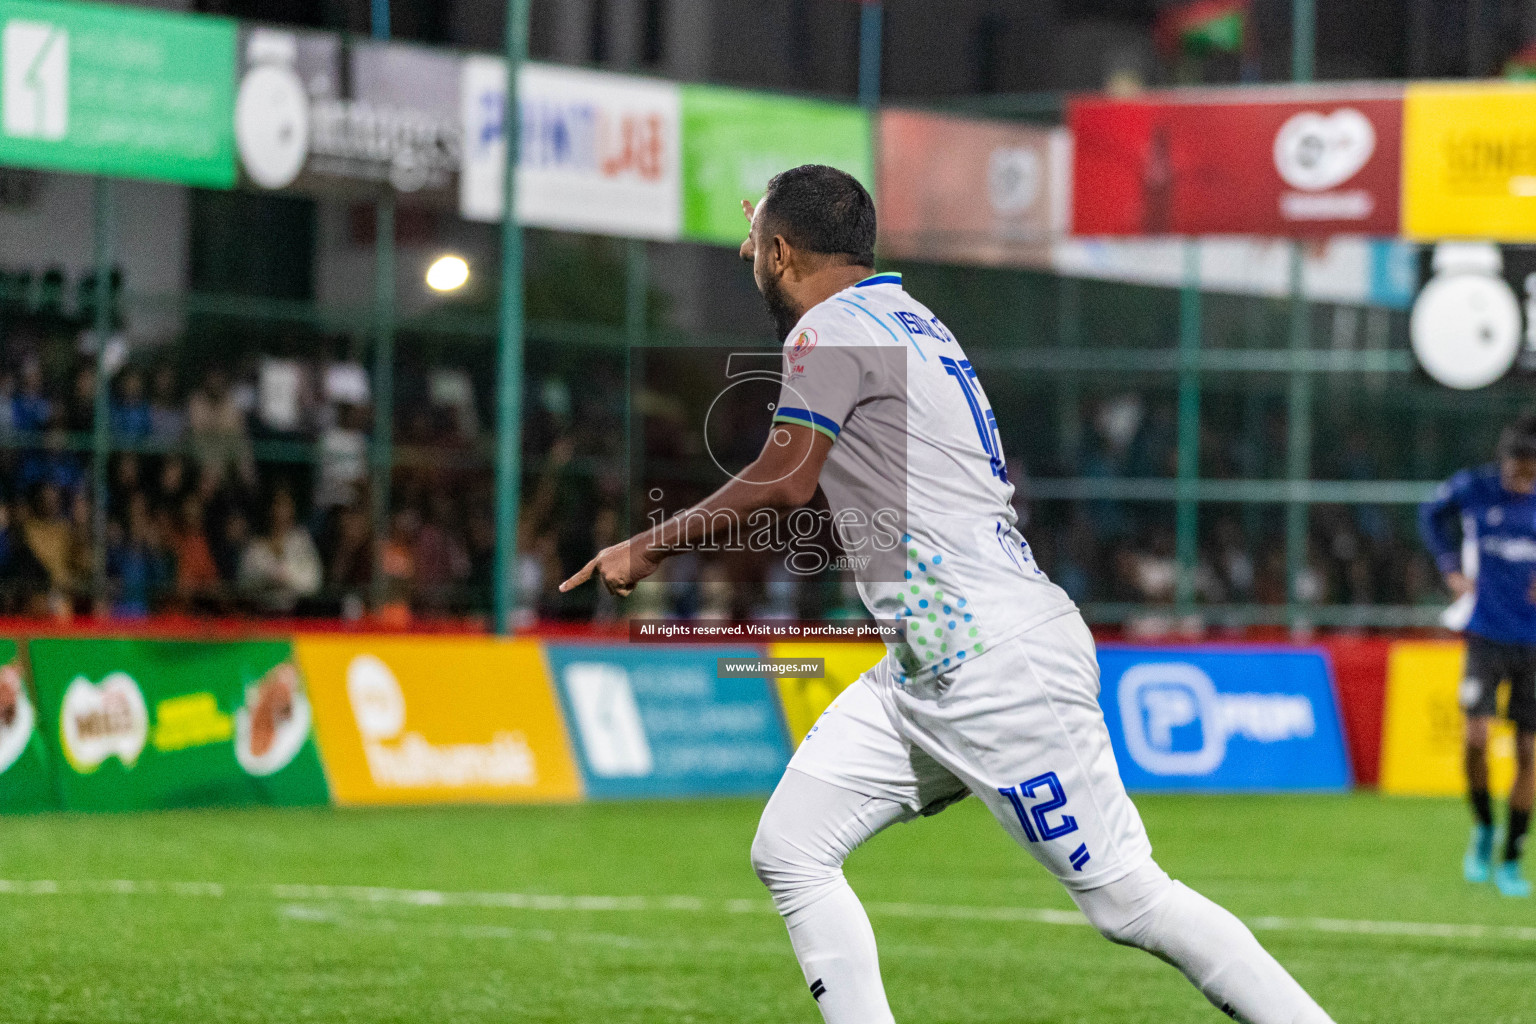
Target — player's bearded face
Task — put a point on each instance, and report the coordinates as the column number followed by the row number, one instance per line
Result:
column 781, row 307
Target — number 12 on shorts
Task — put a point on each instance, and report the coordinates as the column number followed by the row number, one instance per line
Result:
column 1032, row 806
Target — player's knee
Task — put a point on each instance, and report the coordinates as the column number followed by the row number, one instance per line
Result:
column 1124, row 911
column 779, row 863
column 767, row 857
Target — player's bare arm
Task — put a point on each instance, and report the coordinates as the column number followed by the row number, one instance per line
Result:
column 782, row 477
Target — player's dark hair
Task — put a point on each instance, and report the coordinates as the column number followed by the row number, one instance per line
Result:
column 1518, row 441
column 823, row 210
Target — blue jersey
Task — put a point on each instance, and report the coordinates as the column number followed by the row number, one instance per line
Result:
column 1501, row 527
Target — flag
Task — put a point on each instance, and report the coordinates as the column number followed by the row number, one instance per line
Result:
column 1522, row 65
column 1203, row 26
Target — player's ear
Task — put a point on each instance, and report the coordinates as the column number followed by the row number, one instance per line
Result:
column 781, row 255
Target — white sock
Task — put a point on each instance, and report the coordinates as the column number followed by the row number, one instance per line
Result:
column 1215, row 950
column 808, row 828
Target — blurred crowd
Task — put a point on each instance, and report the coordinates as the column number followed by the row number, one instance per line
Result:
column 241, row 485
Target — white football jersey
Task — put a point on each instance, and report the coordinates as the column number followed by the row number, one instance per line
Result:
column 915, row 444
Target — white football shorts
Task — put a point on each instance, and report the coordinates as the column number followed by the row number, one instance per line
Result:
column 1020, row 727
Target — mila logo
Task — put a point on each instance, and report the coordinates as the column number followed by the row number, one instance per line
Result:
column 98, row 721
column 1176, row 723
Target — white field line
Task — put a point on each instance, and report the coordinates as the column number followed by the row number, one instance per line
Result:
column 379, row 895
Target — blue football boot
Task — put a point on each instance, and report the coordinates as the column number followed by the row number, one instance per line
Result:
column 1510, row 882
column 1477, row 865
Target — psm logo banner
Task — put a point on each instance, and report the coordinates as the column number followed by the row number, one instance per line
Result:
column 1188, row 719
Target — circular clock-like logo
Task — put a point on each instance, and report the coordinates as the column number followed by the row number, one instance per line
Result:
column 1465, row 329
column 272, row 125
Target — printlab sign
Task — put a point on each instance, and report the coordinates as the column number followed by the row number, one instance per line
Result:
column 1227, row 720
column 117, row 91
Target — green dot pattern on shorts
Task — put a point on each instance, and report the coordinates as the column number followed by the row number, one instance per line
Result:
column 945, row 634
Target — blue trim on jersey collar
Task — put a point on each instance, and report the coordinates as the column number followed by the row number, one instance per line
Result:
column 888, row 277
column 882, row 323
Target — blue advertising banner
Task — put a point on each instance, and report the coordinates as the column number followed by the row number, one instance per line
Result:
column 654, row 721
column 1222, row 720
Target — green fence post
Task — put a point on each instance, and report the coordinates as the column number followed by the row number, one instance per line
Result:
column 1069, row 338
column 1303, row 39
column 383, row 353
column 1298, row 463
column 101, row 439
column 871, row 31
column 509, row 347
column 1186, row 514
column 383, row 384
column 636, row 287
column 1299, row 404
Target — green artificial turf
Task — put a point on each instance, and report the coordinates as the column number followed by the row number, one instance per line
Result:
column 288, row 937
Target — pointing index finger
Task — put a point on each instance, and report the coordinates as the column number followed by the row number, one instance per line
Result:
column 582, row 575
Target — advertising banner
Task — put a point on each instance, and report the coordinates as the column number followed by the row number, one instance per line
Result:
column 1360, row 679
column 1193, row 719
column 1355, row 271
column 734, row 141
column 25, row 781
column 1421, row 741
column 320, row 113
column 145, row 723
column 654, row 721
column 105, row 89
column 961, row 190
column 428, row 720
column 1469, row 161
column 803, row 700
column 1311, row 164
column 597, row 152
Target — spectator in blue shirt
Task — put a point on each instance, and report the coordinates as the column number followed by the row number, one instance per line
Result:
column 1495, row 506
column 30, row 409
column 130, row 417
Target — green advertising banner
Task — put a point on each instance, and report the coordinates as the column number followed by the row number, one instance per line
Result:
column 117, row 91
column 734, row 141
column 25, row 782
column 148, row 723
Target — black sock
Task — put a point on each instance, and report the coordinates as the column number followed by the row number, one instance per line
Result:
column 1514, row 843
column 1482, row 807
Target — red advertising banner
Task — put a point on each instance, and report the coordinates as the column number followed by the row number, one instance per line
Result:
column 962, row 190
column 1286, row 163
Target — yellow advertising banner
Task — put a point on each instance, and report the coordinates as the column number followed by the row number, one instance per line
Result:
column 418, row 720
column 1421, row 743
column 805, row 699
column 1469, row 161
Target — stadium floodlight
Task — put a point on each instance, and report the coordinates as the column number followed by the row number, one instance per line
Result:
column 447, row 274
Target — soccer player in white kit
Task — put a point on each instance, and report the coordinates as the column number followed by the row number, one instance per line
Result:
column 993, row 688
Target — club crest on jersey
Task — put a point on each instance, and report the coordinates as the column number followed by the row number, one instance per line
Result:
column 802, row 345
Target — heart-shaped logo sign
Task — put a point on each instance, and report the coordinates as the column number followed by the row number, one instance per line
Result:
column 1314, row 152
column 102, row 721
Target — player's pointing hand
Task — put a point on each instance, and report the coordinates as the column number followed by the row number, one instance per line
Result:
column 619, row 568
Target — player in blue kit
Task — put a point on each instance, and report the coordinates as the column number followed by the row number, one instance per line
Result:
column 1496, row 507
